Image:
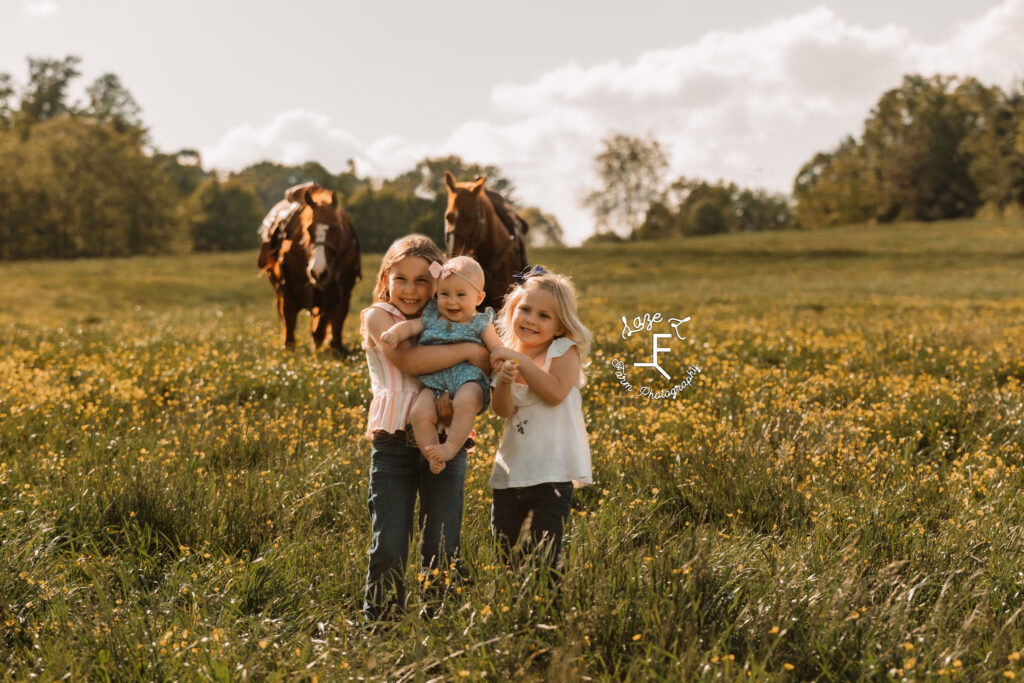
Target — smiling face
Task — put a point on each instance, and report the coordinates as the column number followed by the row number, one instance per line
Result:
column 534, row 320
column 457, row 299
column 410, row 285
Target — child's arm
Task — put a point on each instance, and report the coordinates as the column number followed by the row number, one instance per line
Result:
column 419, row 360
column 501, row 397
column 399, row 332
column 490, row 338
column 552, row 386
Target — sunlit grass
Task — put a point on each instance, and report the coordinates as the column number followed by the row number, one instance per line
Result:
column 836, row 496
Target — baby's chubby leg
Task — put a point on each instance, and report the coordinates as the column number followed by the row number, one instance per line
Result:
column 423, row 417
column 466, row 403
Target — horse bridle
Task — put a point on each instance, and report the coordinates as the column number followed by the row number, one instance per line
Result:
column 333, row 250
column 474, row 239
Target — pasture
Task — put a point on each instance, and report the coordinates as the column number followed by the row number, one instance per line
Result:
column 837, row 495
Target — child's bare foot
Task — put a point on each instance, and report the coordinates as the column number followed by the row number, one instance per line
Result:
column 441, row 452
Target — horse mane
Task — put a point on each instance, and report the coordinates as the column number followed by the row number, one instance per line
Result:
column 509, row 219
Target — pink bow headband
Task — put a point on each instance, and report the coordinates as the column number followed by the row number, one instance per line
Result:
column 439, row 272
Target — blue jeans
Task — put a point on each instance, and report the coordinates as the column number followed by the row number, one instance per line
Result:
column 547, row 506
column 398, row 474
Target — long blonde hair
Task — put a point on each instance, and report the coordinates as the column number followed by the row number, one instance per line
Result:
column 410, row 245
column 563, row 294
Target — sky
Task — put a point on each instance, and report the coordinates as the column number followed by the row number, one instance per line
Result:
column 739, row 91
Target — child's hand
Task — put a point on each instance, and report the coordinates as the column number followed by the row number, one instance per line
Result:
column 437, row 462
column 389, row 339
column 502, row 353
column 508, row 371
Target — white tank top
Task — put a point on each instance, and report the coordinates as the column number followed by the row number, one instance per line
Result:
column 543, row 443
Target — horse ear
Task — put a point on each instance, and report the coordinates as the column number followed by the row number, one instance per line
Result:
column 334, row 199
column 478, row 184
column 308, row 197
column 449, row 180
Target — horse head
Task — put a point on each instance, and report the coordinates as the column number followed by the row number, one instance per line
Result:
column 325, row 236
column 465, row 222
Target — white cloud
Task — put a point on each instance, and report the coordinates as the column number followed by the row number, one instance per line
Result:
column 753, row 105
column 40, row 8
column 989, row 47
column 749, row 106
column 293, row 137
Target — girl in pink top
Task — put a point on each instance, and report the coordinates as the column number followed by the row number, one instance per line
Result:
column 398, row 473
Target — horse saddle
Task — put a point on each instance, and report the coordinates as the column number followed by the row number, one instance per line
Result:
column 295, row 192
column 512, row 221
column 275, row 223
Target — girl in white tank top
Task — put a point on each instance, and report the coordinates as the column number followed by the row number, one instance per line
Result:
column 544, row 450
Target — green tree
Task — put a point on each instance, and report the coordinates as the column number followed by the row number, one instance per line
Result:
column 348, row 181
column 83, row 189
column 705, row 208
column 630, row 172
column 426, row 180
column 46, row 93
column 913, row 141
column 223, row 216
column 7, row 109
column 604, row 238
column 382, row 216
column 13, row 203
column 77, row 181
column 660, row 222
column 545, row 230
column 270, row 180
column 707, row 217
column 110, row 102
column 837, row 188
column 759, row 210
column 184, row 169
column 697, row 207
column 995, row 165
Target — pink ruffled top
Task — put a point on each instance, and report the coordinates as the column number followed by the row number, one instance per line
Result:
column 393, row 390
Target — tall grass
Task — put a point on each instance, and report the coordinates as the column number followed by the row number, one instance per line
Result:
column 836, row 496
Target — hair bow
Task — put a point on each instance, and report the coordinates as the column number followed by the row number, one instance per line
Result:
column 522, row 277
column 438, row 271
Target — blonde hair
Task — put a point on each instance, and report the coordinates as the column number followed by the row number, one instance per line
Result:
column 468, row 268
column 563, row 294
column 410, row 245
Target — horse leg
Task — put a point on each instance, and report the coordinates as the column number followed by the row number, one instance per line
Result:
column 288, row 311
column 321, row 320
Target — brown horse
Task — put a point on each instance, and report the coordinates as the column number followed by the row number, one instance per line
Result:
column 312, row 262
column 473, row 226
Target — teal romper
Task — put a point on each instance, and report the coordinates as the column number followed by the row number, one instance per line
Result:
column 437, row 330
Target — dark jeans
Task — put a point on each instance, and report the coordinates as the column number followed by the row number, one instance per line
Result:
column 398, row 474
column 546, row 506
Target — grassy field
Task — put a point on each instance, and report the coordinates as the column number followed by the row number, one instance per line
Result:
column 836, row 496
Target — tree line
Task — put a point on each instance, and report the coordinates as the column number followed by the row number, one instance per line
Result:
column 931, row 149
column 82, row 179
